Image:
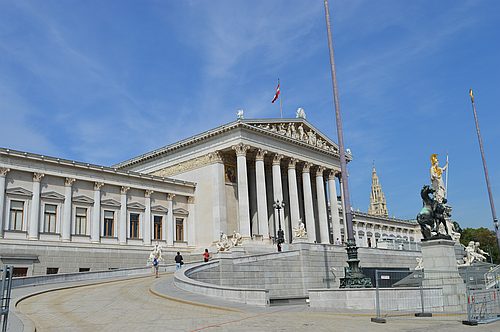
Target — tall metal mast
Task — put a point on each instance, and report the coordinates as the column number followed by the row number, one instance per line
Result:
column 492, row 204
column 354, row 277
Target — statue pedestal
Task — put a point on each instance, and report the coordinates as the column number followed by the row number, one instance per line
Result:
column 300, row 240
column 440, row 270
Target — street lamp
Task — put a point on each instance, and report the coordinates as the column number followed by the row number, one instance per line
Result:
column 281, row 235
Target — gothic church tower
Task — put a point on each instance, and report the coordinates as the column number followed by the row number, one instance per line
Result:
column 378, row 206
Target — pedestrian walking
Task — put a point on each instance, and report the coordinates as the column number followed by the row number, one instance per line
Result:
column 156, row 265
column 206, row 256
column 178, row 261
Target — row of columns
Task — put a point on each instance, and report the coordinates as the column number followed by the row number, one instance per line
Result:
column 95, row 225
column 261, row 194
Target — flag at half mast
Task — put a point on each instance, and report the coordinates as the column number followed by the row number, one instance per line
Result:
column 277, row 94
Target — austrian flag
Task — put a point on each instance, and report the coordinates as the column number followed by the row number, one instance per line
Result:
column 277, row 93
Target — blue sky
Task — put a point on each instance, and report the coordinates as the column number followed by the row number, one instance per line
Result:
column 103, row 81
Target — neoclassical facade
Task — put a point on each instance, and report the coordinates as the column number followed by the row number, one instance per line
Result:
column 186, row 194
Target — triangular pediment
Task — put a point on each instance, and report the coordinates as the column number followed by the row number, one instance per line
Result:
column 296, row 131
column 19, row 191
column 52, row 195
column 110, row 202
column 159, row 208
column 181, row 212
column 135, row 205
column 83, row 199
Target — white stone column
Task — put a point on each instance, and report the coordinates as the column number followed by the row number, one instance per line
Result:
column 260, row 178
column 293, row 193
column 334, row 208
column 170, row 220
column 122, row 228
column 243, row 204
column 3, row 175
column 191, row 222
column 66, row 222
column 365, row 238
column 308, row 203
column 146, row 234
column 219, row 210
column 35, row 207
column 278, row 190
column 322, row 214
column 95, row 230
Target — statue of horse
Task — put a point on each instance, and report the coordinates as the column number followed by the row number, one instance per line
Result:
column 426, row 216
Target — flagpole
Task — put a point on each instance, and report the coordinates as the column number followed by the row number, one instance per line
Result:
column 492, row 204
column 281, row 98
column 353, row 276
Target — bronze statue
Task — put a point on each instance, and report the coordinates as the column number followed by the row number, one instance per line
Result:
column 432, row 215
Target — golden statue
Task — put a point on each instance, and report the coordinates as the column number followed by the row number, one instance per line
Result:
column 437, row 179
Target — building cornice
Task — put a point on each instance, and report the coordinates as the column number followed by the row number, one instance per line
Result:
column 103, row 169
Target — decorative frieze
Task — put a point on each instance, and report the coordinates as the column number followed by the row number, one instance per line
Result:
column 299, row 133
column 189, row 165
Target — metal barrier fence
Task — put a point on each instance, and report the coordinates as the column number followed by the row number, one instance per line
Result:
column 5, row 289
column 394, row 301
column 483, row 297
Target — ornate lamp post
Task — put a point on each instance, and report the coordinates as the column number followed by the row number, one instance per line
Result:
column 354, row 277
column 281, row 235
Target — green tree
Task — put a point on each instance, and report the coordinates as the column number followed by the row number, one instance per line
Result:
column 486, row 238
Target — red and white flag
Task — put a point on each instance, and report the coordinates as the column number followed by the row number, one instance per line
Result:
column 277, row 93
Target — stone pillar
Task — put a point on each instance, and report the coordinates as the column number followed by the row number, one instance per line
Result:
column 278, row 189
column 243, row 204
column 441, row 271
column 219, row 212
column 95, row 230
column 334, row 208
column 293, row 193
column 3, row 175
column 170, row 220
column 66, row 222
column 35, row 207
column 260, row 178
column 308, row 203
column 190, row 227
column 322, row 213
column 146, row 234
column 122, row 229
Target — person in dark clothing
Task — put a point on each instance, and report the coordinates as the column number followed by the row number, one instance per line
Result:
column 178, row 261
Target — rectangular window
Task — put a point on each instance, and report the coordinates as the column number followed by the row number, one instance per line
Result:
column 84, row 269
column 52, row 270
column 81, row 221
column 19, row 272
column 50, row 215
column 134, row 225
column 157, row 227
column 109, row 221
column 179, row 229
column 16, row 215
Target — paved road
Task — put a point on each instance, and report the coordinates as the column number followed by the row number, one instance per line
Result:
column 130, row 306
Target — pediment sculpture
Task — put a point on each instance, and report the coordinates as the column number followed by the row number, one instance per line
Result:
column 297, row 131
